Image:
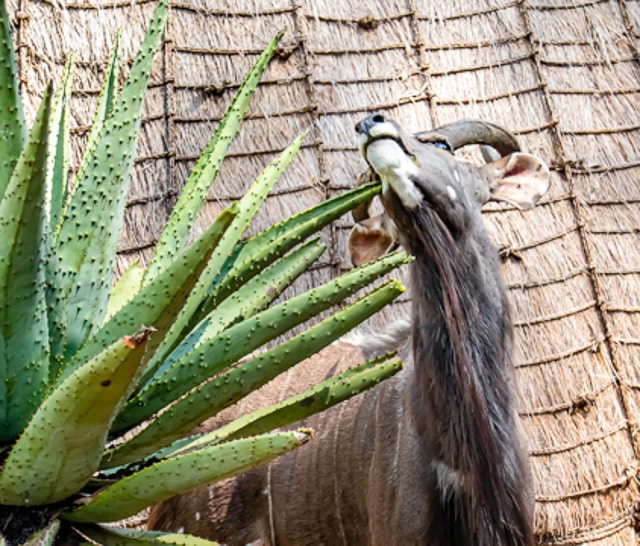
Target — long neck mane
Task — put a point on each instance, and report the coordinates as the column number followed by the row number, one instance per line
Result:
column 462, row 400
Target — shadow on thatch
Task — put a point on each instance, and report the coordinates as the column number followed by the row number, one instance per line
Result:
column 563, row 74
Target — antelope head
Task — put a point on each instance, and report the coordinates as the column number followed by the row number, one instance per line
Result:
column 419, row 170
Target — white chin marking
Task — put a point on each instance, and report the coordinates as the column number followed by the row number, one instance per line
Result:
column 385, row 155
column 379, row 130
column 395, row 169
column 362, row 142
column 383, row 130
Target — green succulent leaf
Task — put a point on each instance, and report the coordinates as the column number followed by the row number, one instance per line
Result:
column 213, row 355
column 113, row 473
column 247, row 206
column 229, row 387
column 45, row 537
column 62, row 445
column 106, row 100
column 24, row 334
column 197, row 186
column 158, row 303
column 72, row 377
column 13, row 130
column 251, row 298
column 316, row 399
column 125, row 288
column 58, row 163
column 56, row 311
column 180, row 474
column 57, row 173
column 113, row 536
column 270, row 244
column 92, row 220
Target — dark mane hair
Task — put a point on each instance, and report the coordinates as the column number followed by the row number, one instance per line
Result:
column 466, row 341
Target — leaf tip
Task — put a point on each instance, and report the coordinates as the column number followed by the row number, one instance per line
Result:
column 135, row 340
column 303, row 435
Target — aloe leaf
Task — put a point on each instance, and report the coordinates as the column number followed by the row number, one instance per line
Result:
column 180, row 474
column 57, row 173
column 229, row 387
column 158, row 303
column 316, row 399
column 24, row 335
column 56, row 183
column 322, row 396
column 114, row 473
column 195, row 190
column 56, row 311
column 125, row 288
column 13, row 130
column 213, row 355
column 270, row 244
column 92, row 220
column 57, row 305
column 61, row 447
column 106, row 100
column 45, row 537
column 251, row 298
column 58, row 163
column 113, row 536
column 248, row 206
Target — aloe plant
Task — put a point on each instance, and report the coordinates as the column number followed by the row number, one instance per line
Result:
column 85, row 361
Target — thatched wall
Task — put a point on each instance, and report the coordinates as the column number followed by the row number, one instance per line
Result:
column 564, row 74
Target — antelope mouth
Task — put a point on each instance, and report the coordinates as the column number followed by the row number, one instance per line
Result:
column 387, row 155
column 374, row 129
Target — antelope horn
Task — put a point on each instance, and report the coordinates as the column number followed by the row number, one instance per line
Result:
column 458, row 134
column 472, row 131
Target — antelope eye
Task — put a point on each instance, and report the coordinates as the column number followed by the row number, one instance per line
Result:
column 443, row 145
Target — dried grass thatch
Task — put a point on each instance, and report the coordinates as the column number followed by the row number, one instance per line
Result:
column 564, row 74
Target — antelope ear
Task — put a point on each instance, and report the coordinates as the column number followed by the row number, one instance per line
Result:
column 520, row 179
column 369, row 240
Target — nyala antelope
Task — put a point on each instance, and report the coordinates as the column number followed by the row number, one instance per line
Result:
column 434, row 455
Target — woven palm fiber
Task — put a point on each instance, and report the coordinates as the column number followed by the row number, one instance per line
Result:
column 564, row 75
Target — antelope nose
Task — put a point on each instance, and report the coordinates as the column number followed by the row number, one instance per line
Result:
column 364, row 126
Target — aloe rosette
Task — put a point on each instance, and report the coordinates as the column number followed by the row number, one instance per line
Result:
column 102, row 382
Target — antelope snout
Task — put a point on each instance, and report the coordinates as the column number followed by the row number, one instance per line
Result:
column 364, row 126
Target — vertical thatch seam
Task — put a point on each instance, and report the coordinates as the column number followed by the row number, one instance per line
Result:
column 419, row 50
column 169, row 114
column 21, row 32
column 565, row 170
column 628, row 29
column 300, row 34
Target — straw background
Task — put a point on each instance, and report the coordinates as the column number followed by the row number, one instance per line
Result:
column 564, row 75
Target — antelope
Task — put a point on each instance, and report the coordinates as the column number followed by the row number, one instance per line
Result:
column 435, row 454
